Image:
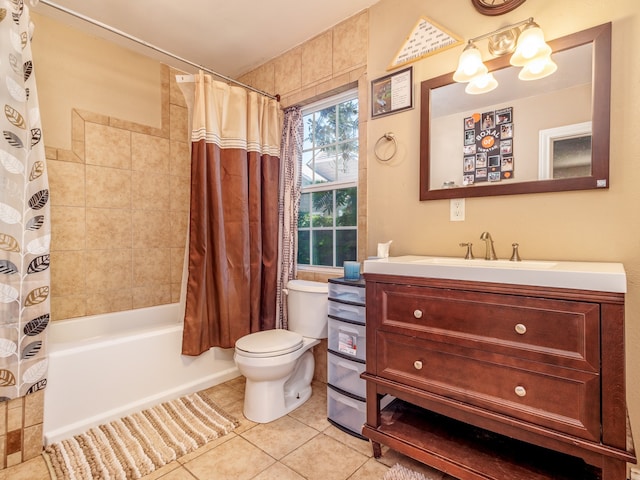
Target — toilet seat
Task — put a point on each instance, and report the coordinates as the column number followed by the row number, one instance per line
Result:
column 269, row 343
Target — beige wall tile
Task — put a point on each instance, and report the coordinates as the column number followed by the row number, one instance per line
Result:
column 107, row 146
column 317, row 62
column 150, row 191
column 180, row 159
column 68, row 228
column 108, row 270
column 108, row 228
column 176, row 292
column 149, row 296
column 32, row 442
column 180, row 191
column 151, row 266
column 111, row 301
column 149, row 153
column 67, row 273
column 92, row 117
column 287, row 71
column 3, row 418
column 69, row 306
column 34, row 408
column 179, row 227
column 264, row 78
column 66, row 182
column 150, row 229
column 108, row 187
column 350, row 43
column 15, row 414
column 179, row 124
column 177, row 264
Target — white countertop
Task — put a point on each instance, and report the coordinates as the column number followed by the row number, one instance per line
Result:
column 597, row 276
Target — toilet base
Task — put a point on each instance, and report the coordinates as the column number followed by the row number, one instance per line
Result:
column 266, row 401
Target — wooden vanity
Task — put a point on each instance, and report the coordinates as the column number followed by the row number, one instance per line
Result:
column 498, row 380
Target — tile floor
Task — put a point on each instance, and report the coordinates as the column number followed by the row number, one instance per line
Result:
column 301, row 445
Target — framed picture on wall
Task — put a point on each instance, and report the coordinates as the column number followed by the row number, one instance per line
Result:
column 392, row 93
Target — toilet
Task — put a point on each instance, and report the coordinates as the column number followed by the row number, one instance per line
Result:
column 278, row 364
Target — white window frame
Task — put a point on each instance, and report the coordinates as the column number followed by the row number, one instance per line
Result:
column 351, row 94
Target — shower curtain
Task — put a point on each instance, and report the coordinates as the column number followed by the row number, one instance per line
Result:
column 290, row 187
column 24, row 213
column 233, row 227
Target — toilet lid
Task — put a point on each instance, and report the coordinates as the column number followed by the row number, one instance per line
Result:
column 269, row 343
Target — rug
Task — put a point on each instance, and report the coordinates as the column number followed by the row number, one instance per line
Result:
column 136, row 445
column 398, row 472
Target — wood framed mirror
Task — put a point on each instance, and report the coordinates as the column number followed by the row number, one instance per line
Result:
column 578, row 93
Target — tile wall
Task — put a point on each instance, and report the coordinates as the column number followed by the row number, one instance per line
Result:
column 120, row 202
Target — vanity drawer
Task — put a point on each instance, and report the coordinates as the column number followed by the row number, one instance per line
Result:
column 564, row 399
column 520, row 326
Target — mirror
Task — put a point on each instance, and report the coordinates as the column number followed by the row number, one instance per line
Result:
column 553, row 132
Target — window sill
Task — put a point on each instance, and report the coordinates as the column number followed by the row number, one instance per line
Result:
column 321, row 270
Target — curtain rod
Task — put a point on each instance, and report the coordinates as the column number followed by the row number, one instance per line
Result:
column 152, row 47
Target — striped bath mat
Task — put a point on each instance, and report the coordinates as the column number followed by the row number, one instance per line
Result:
column 136, row 445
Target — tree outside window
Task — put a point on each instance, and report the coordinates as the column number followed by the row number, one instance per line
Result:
column 328, row 218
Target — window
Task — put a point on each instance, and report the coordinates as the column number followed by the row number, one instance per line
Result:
column 328, row 219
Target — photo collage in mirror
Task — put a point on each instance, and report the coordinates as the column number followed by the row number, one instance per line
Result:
column 488, row 147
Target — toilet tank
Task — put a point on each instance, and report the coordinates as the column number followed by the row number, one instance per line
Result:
column 307, row 308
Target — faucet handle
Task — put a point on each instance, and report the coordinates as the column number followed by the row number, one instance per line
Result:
column 515, row 256
column 469, row 254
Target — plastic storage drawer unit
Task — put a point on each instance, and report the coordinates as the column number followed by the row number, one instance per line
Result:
column 346, row 411
column 345, row 374
column 347, row 338
column 347, row 293
column 347, row 311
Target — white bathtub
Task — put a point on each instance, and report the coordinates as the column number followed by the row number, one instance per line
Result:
column 106, row 366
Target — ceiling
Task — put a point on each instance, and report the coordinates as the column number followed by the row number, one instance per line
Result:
column 230, row 37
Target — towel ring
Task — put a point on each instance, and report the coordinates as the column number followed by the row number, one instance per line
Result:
column 389, row 137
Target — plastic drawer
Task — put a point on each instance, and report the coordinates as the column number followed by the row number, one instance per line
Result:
column 347, row 338
column 346, row 411
column 345, row 374
column 347, row 293
column 346, row 311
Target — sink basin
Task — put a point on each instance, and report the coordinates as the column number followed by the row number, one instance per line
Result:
column 597, row 276
column 477, row 262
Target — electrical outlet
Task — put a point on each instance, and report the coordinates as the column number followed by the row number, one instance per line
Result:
column 456, row 209
column 635, row 473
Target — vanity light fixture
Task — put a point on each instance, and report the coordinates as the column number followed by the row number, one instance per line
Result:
column 530, row 51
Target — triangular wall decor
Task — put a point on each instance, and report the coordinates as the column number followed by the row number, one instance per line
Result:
column 426, row 38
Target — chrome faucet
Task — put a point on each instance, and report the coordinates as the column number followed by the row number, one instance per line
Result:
column 490, row 253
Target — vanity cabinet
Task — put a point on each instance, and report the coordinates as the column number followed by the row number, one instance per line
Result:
column 498, row 381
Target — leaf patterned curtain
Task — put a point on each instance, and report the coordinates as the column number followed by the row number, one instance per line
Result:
column 25, row 224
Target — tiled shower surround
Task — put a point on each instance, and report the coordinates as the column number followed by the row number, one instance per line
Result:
column 120, row 200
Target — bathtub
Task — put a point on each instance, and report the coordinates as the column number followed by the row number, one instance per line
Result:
column 107, row 366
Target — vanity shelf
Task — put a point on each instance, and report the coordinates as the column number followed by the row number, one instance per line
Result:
column 498, row 381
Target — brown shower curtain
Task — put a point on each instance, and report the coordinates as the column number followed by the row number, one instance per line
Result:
column 233, row 239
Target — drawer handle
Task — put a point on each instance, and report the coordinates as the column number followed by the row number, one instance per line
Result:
column 521, row 329
column 417, row 313
column 521, row 391
column 418, row 365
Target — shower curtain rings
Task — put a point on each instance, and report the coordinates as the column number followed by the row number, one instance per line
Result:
column 389, row 137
